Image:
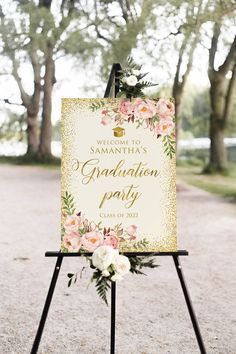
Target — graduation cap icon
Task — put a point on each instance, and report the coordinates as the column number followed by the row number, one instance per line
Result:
column 118, row 132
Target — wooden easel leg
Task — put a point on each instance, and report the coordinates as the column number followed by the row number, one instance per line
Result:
column 189, row 305
column 47, row 305
column 113, row 317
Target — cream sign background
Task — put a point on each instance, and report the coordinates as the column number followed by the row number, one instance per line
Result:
column 126, row 180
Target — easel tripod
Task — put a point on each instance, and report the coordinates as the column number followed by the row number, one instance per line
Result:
column 112, row 90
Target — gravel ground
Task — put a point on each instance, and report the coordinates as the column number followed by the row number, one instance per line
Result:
column 151, row 314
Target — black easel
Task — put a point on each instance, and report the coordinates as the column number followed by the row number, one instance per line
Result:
column 111, row 91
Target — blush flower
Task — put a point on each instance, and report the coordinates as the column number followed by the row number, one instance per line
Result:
column 92, row 240
column 165, row 126
column 165, row 108
column 73, row 222
column 112, row 240
column 126, row 107
column 131, row 230
column 72, row 242
column 106, row 119
column 144, row 108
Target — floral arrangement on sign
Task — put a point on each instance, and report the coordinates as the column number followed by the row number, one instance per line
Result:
column 105, row 244
column 157, row 115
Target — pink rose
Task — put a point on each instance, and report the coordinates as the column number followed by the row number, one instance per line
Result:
column 73, row 222
column 144, row 108
column 92, row 240
column 131, row 230
column 126, row 107
column 72, row 242
column 165, row 108
column 165, row 126
column 112, row 240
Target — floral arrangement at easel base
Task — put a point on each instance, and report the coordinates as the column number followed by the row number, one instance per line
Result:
column 81, row 235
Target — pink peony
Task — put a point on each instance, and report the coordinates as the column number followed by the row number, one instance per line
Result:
column 72, row 242
column 126, row 107
column 73, row 222
column 144, row 108
column 92, row 240
column 131, row 230
column 165, row 126
column 165, row 108
column 112, row 240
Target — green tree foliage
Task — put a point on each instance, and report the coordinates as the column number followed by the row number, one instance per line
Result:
column 186, row 27
column 117, row 25
column 13, row 127
column 196, row 110
column 35, row 34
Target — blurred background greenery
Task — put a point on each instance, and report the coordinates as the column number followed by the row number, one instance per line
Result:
column 65, row 48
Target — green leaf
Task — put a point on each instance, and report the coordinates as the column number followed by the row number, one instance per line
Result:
column 72, row 278
column 97, row 105
column 137, row 263
column 102, row 286
column 120, row 95
column 169, row 145
column 68, row 201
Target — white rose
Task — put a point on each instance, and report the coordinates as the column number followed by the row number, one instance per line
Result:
column 135, row 72
column 116, row 277
column 124, row 79
column 102, row 257
column 105, row 273
column 121, row 264
column 131, row 80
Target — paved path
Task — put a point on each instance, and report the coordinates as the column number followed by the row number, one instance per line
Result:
column 151, row 313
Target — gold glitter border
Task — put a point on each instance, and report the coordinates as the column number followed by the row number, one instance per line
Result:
column 168, row 241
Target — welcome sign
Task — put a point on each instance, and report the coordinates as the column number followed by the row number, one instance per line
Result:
column 118, row 179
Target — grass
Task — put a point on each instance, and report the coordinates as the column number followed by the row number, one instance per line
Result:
column 223, row 185
column 49, row 162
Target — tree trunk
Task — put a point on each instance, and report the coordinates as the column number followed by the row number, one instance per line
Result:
column 221, row 95
column 32, row 134
column 177, row 93
column 46, row 126
column 218, row 153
